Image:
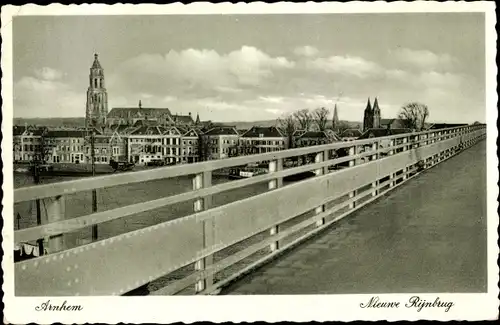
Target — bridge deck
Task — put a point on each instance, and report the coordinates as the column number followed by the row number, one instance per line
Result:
column 427, row 236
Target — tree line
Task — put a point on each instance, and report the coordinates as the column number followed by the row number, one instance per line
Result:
column 309, row 120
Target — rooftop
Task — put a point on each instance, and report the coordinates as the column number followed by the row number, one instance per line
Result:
column 126, row 112
column 222, row 130
column 266, row 132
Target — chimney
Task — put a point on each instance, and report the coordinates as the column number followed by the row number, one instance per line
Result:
column 189, row 113
column 140, row 104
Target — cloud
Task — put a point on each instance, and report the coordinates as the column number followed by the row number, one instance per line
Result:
column 423, row 59
column 48, row 74
column 346, row 65
column 435, row 79
column 37, row 97
column 397, row 74
column 307, row 51
column 199, row 69
column 271, row 99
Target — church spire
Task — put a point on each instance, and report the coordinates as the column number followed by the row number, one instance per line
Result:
column 368, row 105
column 335, row 121
column 375, row 105
column 96, row 64
column 197, row 118
column 376, row 114
column 368, row 117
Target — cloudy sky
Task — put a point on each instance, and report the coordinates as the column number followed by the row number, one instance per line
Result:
column 254, row 67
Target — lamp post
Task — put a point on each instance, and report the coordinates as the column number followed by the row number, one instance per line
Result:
column 94, row 191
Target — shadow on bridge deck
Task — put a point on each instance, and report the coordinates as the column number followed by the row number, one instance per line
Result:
column 429, row 235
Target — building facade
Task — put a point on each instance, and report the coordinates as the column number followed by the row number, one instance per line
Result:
column 26, row 142
column 218, row 143
column 68, row 146
column 315, row 138
column 262, row 139
column 190, row 138
column 145, row 144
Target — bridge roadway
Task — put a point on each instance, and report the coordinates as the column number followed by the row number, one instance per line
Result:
column 429, row 235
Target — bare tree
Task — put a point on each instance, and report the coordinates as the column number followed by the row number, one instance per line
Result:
column 287, row 127
column 205, row 147
column 244, row 149
column 320, row 116
column 414, row 115
column 304, row 119
column 44, row 148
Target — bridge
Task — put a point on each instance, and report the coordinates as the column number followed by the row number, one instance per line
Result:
column 400, row 209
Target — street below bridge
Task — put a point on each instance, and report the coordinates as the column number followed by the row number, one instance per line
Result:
column 429, row 235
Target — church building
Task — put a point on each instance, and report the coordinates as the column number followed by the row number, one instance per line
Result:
column 372, row 116
column 97, row 97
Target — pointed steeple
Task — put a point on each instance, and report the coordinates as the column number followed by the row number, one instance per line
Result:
column 96, row 64
column 375, row 105
column 376, row 114
column 368, row 105
column 335, row 121
column 197, row 118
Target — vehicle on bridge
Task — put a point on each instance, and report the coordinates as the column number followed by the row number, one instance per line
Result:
column 156, row 162
column 121, row 165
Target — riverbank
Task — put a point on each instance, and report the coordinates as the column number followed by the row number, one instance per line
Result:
column 74, row 170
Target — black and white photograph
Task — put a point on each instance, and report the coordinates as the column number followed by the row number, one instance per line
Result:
column 246, row 162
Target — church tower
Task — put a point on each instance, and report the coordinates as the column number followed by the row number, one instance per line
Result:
column 368, row 118
column 97, row 97
column 335, row 120
column 376, row 114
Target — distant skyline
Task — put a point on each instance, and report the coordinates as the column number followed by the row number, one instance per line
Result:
column 254, row 67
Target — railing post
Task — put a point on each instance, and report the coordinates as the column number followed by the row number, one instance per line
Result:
column 320, row 156
column 352, row 152
column 274, row 166
column 55, row 212
column 375, row 147
column 391, row 152
column 326, row 156
column 200, row 181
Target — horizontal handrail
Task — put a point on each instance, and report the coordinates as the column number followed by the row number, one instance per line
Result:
column 99, row 217
column 59, row 227
column 69, row 187
column 349, row 188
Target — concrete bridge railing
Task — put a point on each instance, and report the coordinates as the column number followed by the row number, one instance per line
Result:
column 214, row 245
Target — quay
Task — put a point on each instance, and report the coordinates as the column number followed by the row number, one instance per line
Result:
column 407, row 209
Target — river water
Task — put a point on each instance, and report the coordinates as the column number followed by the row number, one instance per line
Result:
column 80, row 204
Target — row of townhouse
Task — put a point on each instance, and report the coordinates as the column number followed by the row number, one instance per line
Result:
column 135, row 144
column 170, row 144
column 145, row 142
column 58, row 146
